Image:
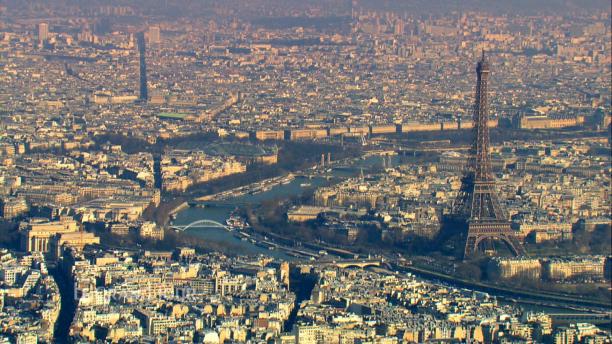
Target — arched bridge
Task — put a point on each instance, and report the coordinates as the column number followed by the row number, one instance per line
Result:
column 200, row 224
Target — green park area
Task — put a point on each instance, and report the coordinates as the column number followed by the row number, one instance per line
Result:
column 172, row 115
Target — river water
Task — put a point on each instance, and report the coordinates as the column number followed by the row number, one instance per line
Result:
column 220, row 213
column 296, row 187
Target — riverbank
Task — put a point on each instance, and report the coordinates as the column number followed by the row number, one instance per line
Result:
column 255, row 187
column 180, row 207
column 180, row 203
column 257, row 242
column 295, row 158
column 508, row 292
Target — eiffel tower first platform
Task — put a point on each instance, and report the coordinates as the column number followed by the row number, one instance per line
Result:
column 478, row 202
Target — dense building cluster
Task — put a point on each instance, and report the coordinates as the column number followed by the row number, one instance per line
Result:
column 581, row 268
column 212, row 298
column 181, row 169
column 551, row 190
column 379, row 72
column 361, row 306
column 110, row 113
column 180, row 296
column 29, row 299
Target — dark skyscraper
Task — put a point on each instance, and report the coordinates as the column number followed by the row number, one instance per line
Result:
column 478, row 202
column 43, row 32
column 144, row 93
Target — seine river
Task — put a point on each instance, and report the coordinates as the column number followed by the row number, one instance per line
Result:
column 220, row 213
column 296, row 187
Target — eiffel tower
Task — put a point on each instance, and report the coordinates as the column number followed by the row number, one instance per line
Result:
column 477, row 201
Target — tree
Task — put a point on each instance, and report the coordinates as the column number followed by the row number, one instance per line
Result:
column 468, row 271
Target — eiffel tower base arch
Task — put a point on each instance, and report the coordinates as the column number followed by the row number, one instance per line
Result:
column 499, row 230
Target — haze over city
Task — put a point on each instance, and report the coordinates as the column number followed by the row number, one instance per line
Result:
column 305, row 172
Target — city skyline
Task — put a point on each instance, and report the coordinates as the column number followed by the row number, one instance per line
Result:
column 305, row 172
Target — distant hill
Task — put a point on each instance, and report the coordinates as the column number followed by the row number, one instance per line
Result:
column 497, row 6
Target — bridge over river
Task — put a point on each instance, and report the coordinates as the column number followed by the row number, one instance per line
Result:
column 348, row 263
column 220, row 203
column 200, row 224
